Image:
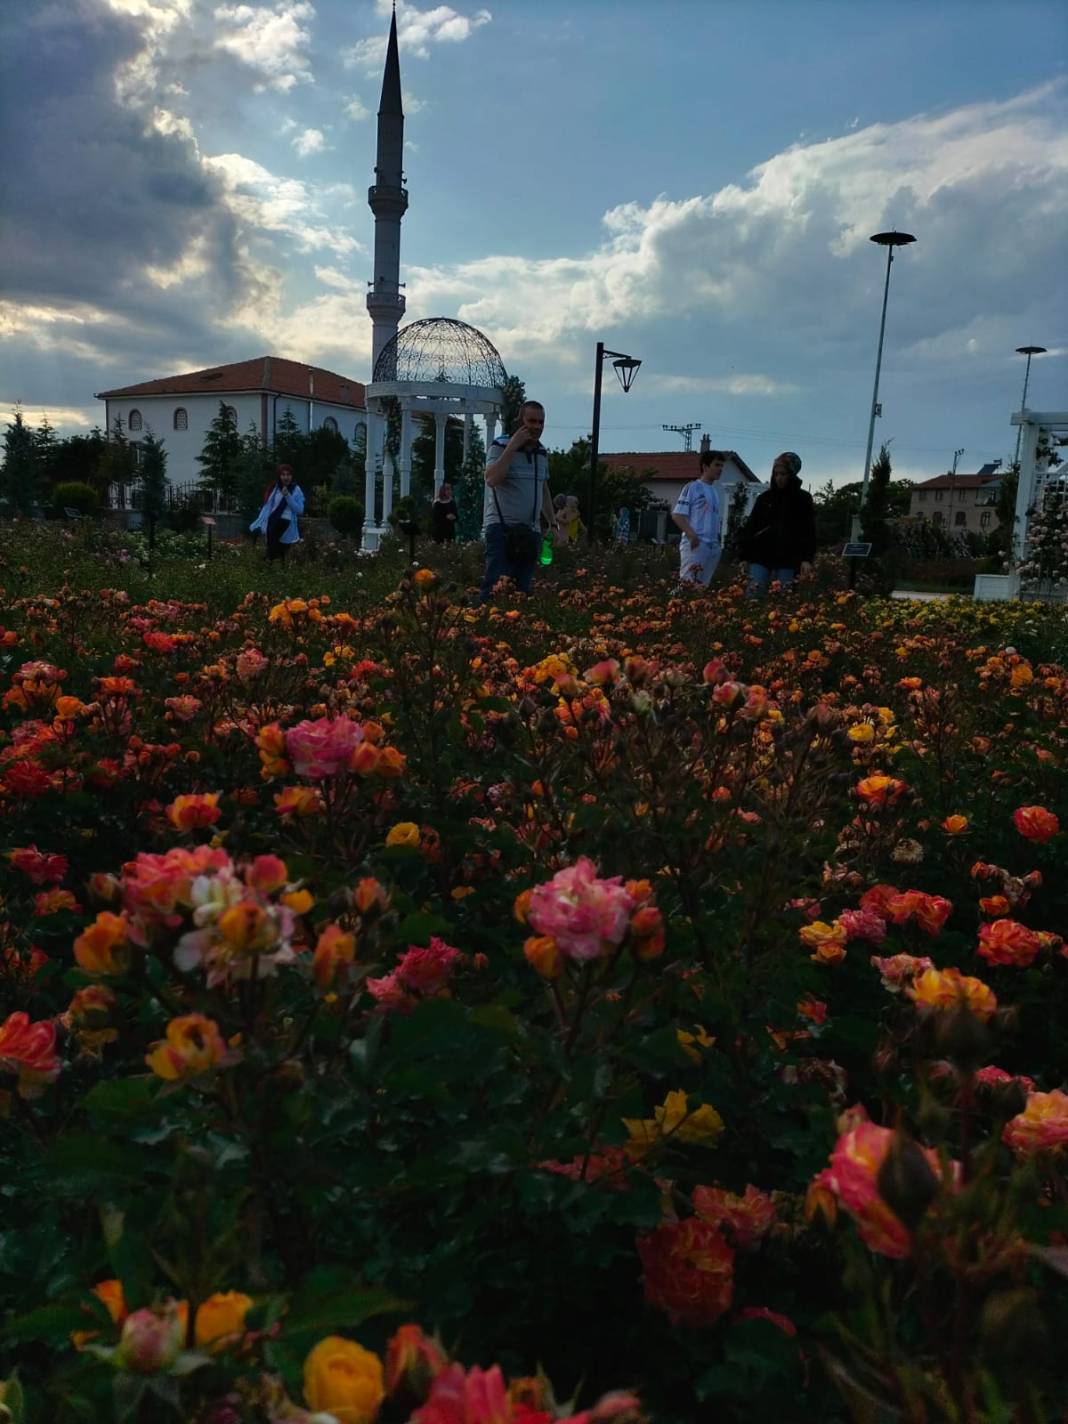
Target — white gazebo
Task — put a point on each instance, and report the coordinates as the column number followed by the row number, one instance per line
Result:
column 436, row 368
column 1041, row 430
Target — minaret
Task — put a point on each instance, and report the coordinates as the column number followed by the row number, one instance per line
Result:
column 388, row 200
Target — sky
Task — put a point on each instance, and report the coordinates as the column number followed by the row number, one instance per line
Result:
column 693, row 182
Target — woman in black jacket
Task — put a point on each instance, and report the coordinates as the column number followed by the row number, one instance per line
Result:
column 443, row 516
column 779, row 537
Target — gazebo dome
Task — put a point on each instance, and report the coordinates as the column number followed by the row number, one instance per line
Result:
column 441, row 349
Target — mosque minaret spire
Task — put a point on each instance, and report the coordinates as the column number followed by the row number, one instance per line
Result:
column 388, row 200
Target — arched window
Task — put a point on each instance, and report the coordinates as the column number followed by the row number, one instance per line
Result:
column 231, row 414
column 961, row 517
column 330, row 424
column 135, row 422
column 181, row 418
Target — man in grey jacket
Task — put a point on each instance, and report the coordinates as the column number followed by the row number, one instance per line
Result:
column 516, row 499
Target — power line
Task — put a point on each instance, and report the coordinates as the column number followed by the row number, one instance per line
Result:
column 759, row 435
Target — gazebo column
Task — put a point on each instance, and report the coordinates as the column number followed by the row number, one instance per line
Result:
column 439, row 449
column 406, row 451
column 491, row 430
column 370, row 522
column 387, row 485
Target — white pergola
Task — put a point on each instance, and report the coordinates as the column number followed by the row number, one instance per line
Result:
column 1035, row 470
column 434, row 368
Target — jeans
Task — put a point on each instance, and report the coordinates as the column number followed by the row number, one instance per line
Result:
column 499, row 565
column 760, row 576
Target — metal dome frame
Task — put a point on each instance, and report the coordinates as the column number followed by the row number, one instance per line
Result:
column 441, row 349
column 434, row 369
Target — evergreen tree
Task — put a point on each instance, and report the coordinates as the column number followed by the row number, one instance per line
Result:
column 46, row 447
column 221, row 453
column 349, row 474
column 19, row 477
column 118, row 464
column 79, row 458
column 515, row 393
column 873, row 517
column 152, row 473
column 255, row 474
column 288, row 442
column 469, row 488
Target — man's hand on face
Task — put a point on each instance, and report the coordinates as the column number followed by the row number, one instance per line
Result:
column 522, row 437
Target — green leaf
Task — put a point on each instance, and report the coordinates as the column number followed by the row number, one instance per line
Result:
column 53, row 1323
column 121, row 1097
column 329, row 1300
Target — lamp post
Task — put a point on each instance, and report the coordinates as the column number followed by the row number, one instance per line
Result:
column 1027, row 351
column 889, row 240
column 626, row 368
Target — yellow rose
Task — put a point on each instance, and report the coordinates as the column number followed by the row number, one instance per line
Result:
column 862, row 732
column 345, row 1379
column 404, row 833
column 220, row 1319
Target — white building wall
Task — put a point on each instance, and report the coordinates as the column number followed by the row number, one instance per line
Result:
column 183, row 446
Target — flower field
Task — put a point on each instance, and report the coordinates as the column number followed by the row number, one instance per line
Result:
column 606, row 1006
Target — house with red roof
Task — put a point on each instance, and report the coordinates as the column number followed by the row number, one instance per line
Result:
column 179, row 409
column 960, row 504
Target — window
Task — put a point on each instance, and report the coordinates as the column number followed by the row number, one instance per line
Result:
column 938, row 495
column 984, row 520
column 230, row 413
column 961, row 517
column 136, row 448
column 181, row 418
column 330, row 424
column 923, row 496
column 135, row 422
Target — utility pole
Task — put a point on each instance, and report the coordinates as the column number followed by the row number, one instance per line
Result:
column 952, row 486
column 686, row 431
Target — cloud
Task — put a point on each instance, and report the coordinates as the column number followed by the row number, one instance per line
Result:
column 59, row 416
column 417, row 31
column 356, row 110
column 263, row 202
column 733, row 385
column 270, row 39
column 309, row 141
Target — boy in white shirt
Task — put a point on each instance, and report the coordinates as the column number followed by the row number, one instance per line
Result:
column 697, row 514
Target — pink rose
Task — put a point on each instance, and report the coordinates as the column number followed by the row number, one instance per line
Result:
column 863, row 924
column 322, row 748
column 585, row 915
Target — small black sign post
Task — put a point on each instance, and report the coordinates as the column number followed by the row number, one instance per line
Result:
column 853, row 552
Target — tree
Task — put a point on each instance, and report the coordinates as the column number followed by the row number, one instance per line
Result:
column 153, row 477
column 46, row 448
column 469, row 488
column 288, row 441
column 79, row 458
column 221, row 453
column 569, row 473
column 254, row 474
column 515, row 393
column 118, row 464
column 873, row 517
column 19, row 478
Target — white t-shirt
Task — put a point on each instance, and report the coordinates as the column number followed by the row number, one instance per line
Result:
column 699, row 502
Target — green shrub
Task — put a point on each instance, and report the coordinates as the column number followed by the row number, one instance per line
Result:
column 75, row 494
column 346, row 514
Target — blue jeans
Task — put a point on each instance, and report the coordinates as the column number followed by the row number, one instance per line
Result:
column 499, row 565
column 760, row 576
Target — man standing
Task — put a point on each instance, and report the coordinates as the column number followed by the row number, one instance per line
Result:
column 516, row 500
column 697, row 514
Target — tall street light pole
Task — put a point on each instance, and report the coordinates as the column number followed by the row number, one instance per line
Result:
column 1027, row 351
column 889, row 240
column 626, row 368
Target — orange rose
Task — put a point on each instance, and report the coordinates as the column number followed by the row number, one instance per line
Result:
column 220, row 1320
column 1005, row 941
column 188, row 813
column 333, row 949
column 543, row 955
column 1041, row 1127
column 1035, row 823
column 942, row 989
column 193, row 1046
column 103, row 948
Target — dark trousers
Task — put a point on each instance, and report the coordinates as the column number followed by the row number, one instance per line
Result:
column 499, row 565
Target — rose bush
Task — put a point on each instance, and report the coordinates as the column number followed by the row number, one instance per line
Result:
column 666, row 992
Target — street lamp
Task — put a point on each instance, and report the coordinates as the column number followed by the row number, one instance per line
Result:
column 1027, row 351
column 889, row 240
column 626, row 368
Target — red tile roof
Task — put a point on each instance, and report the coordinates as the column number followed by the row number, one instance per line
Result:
column 956, row 482
column 667, row 464
column 272, row 374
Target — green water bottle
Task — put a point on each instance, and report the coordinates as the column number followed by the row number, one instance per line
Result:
column 546, row 555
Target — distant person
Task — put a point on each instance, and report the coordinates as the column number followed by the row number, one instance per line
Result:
column 778, row 540
column 443, row 516
column 570, row 527
column 283, row 502
column 516, row 501
column 697, row 514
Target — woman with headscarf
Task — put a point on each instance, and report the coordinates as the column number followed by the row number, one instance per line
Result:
column 443, row 516
column 779, row 538
column 278, row 517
